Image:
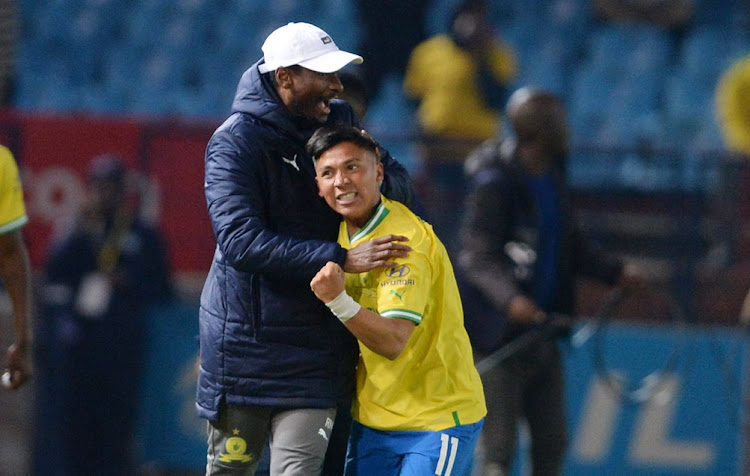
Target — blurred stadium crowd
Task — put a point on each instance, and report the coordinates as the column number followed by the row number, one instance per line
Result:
column 626, row 84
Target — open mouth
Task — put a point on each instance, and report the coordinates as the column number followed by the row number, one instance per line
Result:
column 325, row 106
column 346, row 197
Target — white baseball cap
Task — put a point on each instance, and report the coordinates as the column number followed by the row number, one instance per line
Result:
column 306, row 45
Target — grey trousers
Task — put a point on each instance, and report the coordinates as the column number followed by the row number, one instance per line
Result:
column 297, row 438
column 528, row 386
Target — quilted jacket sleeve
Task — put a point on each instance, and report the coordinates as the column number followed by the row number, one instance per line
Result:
column 234, row 187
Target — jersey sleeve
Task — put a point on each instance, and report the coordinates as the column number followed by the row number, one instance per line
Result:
column 402, row 291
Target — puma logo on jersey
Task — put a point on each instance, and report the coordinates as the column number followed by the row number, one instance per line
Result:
column 292, row 162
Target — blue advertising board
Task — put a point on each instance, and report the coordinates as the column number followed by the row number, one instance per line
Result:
column 690, row 424
column 687, row 421
column 171, row 436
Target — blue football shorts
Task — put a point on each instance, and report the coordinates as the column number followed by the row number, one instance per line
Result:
column 447, row 452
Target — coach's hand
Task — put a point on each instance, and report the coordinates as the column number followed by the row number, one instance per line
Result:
column 377, row 253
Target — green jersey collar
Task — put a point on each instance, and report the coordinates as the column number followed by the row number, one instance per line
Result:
column 380, row 213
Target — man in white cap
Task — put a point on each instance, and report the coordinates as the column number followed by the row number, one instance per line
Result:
column 275, row 363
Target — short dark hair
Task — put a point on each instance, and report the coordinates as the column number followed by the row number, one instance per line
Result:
column 329, row 136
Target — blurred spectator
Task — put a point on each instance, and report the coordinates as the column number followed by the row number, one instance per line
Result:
column 733, row 118
column 521, row 252
column 666, row 13
column 744, row 318
column 355, row 92
column 460, row 80
column 733, row 106
column 390, row 30
column 99, row 281
column 15, row 270
column 8, row 34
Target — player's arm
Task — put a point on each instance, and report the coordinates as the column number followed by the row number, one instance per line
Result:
column 384, row 336
column 15, row 272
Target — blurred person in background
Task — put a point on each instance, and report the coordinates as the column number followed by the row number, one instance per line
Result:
column 670, row 14
column 8, row 40
column 460, row 80
column 744, row 317
column 355, row 92
column 419, row 396
column 733, row 107
column 15, row 270
column 390, row 31
column 521, row 252
column 733, row 117
column 100, row 278
column 275, row 364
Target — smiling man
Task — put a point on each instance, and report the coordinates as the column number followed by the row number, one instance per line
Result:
column 275, row 364
column 420, row 404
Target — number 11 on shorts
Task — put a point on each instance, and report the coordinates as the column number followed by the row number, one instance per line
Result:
column 448, row 442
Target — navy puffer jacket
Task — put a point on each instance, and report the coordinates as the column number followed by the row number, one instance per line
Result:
column 265, row 339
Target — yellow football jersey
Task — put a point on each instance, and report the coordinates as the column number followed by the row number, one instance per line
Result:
column 12, row 209
column 433, row 384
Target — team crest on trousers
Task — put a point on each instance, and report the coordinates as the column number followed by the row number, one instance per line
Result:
column 236, row 450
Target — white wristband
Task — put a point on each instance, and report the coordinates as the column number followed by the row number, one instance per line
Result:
column 343, row 306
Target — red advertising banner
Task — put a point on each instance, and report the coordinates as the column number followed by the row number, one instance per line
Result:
column 54, row 153
column 167, row 162
column 174, row 164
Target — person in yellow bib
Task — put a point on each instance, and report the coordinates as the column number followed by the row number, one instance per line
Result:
column 420, row 404
column 15, row 270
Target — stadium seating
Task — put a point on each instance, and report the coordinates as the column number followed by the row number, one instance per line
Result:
column 626, row 85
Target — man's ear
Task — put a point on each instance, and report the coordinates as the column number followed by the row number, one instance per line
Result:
column 283, row 77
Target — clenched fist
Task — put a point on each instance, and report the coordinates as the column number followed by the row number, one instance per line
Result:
column 329, row 282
